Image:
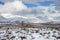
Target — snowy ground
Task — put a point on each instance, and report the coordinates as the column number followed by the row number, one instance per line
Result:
column 29, row 34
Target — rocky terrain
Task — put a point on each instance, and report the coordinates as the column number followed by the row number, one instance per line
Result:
column 42, row 33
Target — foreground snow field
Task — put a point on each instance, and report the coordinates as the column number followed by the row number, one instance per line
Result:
column 29, row 34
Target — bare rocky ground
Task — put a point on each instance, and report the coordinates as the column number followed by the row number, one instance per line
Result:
column 16, row 33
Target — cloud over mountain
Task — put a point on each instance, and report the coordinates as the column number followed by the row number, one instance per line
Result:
column 16, row 9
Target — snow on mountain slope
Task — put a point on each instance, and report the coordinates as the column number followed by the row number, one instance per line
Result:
column 2, row 18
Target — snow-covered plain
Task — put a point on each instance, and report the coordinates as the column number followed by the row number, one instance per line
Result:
column 29, row 34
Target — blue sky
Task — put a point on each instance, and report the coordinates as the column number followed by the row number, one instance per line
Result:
column 46, row 3
column 2, row 3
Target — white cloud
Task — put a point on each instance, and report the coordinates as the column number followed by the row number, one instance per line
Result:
column 18, row 5
column 57, row 2
column 12, row 6
column 9, row 8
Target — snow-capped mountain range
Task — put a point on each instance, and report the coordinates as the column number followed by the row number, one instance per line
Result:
column 20, row 12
